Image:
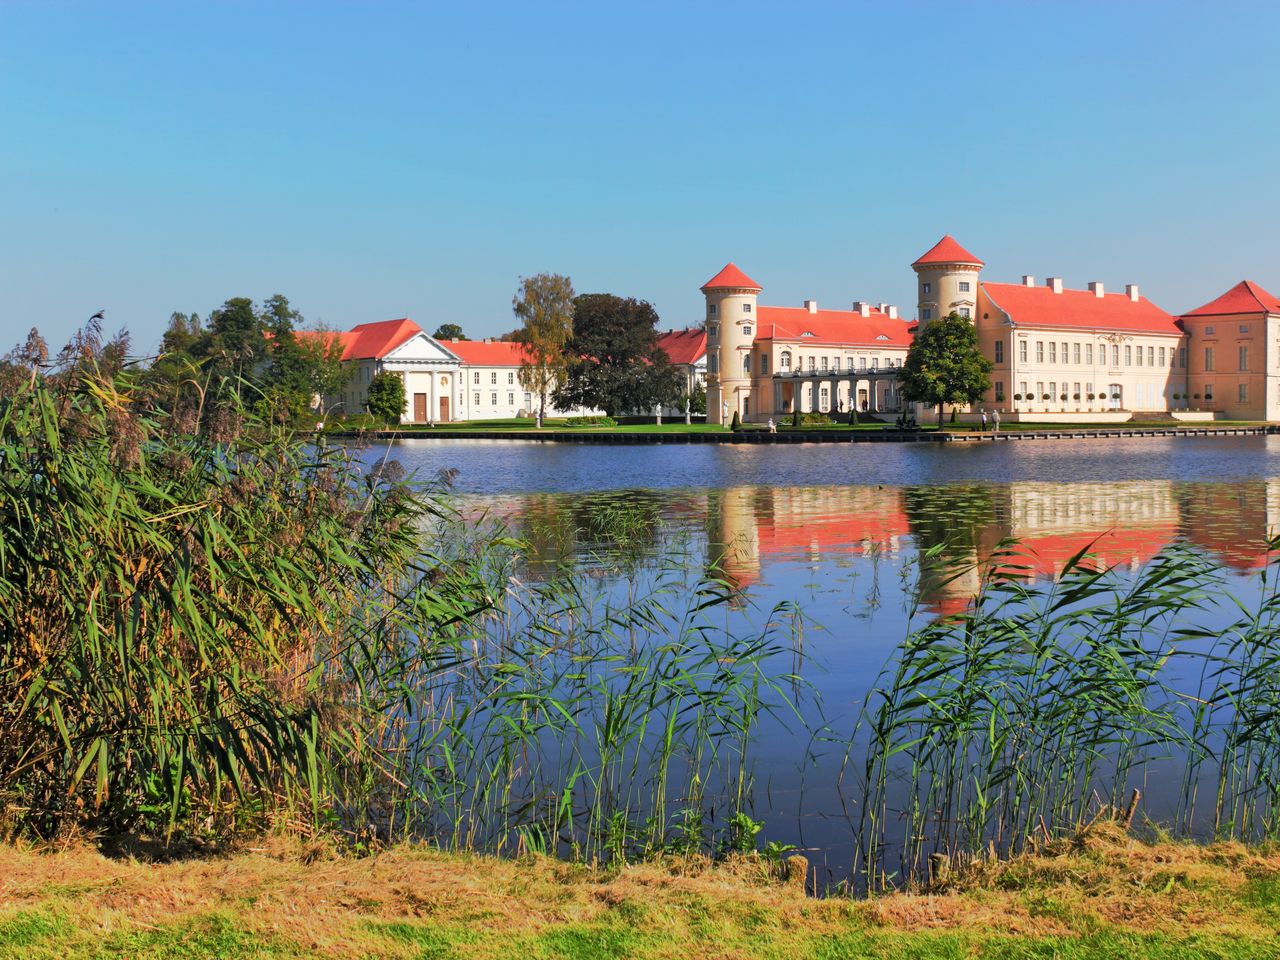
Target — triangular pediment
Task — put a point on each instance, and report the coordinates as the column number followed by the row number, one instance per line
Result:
column 421, row 348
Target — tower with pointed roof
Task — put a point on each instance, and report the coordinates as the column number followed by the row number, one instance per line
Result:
column 731, row 322
column 946, row 281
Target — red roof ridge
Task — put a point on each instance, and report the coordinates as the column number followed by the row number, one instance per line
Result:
column 731, row 278
column 1041, row 307
column 1245, row 297
column 947, row 250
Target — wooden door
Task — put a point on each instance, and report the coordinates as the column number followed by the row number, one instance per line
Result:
column 444, row 409
column 419, row 408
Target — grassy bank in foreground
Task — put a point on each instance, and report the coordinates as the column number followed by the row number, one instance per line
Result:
column 1102, row 895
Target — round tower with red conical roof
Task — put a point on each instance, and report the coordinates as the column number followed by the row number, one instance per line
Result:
column 947, row 281
column 731, row 323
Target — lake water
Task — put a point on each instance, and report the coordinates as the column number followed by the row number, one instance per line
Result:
column 839, row 531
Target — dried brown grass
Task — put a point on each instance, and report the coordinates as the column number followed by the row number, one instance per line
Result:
column 324, row 902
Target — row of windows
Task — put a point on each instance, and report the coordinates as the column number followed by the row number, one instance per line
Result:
column 711, row 308
column 1208, row 331
column 1242, row 359
column 493, row 399
column 1071, row 353
column 815, row 364
column 926, row 313
column 927, row 288
column 493, row 378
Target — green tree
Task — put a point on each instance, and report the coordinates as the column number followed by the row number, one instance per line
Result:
column 234, row 345
column 697, row 398
column 449, row 331
column 544, row 303
column 322, row 353
column 386, row 397
column 944, row 365
column 615, row 363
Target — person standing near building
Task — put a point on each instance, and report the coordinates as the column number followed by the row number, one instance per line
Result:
column 995, row 421
column 984, row 421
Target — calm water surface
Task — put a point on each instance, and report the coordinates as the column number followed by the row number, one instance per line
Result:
column 838, row 530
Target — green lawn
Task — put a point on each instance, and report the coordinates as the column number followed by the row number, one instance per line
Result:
column 557, row 425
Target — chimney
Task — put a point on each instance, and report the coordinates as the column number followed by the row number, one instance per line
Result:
column 1054, row 284
column 882, row 306
column 1028, row 281
column 1095, row 287
column 1131, row 291
column 811, row 306
column 863, row 308
column 892, row 311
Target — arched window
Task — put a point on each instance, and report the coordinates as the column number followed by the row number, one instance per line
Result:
column 746, row 363
column 786, row 360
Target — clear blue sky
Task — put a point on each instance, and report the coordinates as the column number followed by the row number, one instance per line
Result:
column 376, row 160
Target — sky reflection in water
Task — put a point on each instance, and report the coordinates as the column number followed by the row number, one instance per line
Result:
column 839, row 530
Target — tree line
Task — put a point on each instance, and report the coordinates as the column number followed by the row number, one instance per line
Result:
column 596, row 350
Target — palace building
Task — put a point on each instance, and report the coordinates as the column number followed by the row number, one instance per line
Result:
column 1057, row 354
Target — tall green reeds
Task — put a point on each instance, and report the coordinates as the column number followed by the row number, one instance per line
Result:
column 1021, row 716
column 208, row 623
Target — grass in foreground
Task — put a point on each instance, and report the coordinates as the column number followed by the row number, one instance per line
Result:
column 1101, row 895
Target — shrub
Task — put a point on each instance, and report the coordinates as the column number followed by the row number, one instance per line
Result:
column 736, row 422
column 600, row 421
column 1017, row 396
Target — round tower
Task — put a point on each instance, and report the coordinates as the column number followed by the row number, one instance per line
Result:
column 946, row 281
column 731, row 331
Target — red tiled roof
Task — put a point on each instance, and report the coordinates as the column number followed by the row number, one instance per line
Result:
column 1041, row 307
column 1245, row 297
column 370, row 341
column 832, row 326
column 496, row 353
column 947, row 250
column 731, row 277
column 684, row 346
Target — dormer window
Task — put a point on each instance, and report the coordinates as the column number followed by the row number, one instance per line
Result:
column 882, row 337
column 807, row 333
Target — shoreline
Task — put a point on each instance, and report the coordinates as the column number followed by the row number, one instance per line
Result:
column 554, row 435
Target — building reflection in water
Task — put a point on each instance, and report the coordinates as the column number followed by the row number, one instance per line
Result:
column 956, row 530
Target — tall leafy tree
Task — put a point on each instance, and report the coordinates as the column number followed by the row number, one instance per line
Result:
column 614, row 361
column 449, row 331
column 386, row 397
column 944, row 365
column 544, row 304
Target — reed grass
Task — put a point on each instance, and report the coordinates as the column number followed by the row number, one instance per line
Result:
column 204, row 630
